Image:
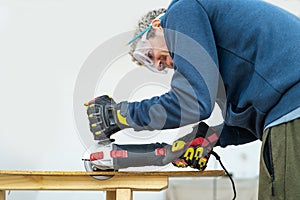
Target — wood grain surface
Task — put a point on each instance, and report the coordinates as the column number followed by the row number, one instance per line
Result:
column 111, row 173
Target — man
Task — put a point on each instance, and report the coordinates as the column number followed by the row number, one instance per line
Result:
column 251, row 48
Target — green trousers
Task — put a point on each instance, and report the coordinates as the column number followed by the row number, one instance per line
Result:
column 280, row 162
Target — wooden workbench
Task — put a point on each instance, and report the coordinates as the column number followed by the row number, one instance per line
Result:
column 119, row 187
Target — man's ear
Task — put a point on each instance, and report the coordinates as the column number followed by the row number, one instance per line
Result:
column 156, row 24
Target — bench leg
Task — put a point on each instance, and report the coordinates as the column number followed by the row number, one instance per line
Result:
column 124, row 194
column 110, row 195
column 2, row 194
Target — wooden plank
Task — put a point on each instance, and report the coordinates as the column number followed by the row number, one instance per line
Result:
column 54, row 182
column 124, row 194
column 2, row 194
column 119, row 187
column 111, row 195
column 110, row 173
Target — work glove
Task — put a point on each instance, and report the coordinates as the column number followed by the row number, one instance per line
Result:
column 196, row 152
column 106, row 117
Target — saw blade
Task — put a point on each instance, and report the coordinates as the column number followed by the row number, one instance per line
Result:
column 90, row 168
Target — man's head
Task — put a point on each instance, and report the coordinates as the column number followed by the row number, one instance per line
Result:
column 149, row 47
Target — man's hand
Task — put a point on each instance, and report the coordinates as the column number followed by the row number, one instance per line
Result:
column 196, row 153
column 194, row 157
column 106, row 117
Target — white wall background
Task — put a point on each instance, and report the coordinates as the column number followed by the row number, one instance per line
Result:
column 43, row 45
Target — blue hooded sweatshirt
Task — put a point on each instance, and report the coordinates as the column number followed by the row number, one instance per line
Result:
column 245, row 53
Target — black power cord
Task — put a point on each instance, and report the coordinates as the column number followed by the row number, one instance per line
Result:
column 232, row 182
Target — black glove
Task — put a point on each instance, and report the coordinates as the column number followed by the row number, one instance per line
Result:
column 196, row 152
column 106, row 117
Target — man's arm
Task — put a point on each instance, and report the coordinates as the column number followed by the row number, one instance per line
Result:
column 231, row 135
column 195, row 81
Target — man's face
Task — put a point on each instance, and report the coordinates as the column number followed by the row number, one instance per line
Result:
column 161, row 57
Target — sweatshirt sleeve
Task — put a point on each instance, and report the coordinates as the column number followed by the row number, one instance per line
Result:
column 194, row 85
column 232, row 135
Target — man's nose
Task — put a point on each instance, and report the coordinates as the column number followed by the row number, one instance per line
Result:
column 159, row 65
column 160, row 62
